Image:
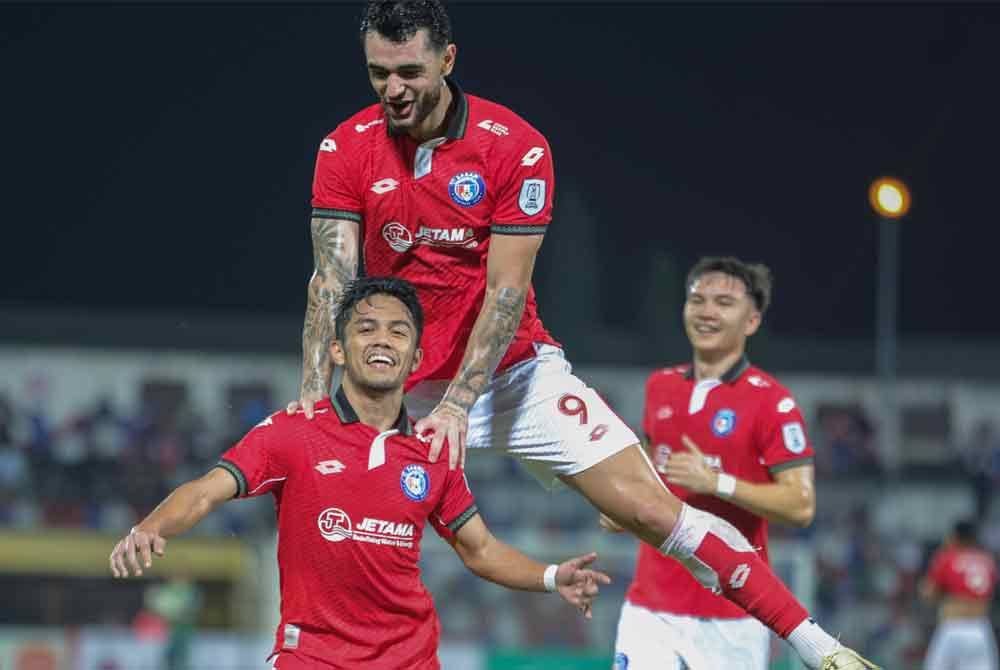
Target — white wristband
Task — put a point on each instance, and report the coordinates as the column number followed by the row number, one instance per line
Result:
column 725, row 487
column 549, row 577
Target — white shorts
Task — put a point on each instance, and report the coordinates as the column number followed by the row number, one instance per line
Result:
column 660, row 641
column 962, row 644
column 540, row 413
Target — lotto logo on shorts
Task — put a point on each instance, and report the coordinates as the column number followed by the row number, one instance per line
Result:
column 621, row 662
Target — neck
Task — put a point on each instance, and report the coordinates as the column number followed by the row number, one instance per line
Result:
column 436, row 123
column 712, row 365
column 378, row 409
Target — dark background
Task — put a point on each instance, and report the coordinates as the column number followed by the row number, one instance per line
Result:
column 159, row 157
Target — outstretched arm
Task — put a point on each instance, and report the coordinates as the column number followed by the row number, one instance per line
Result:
column 510, row 263
column 181, row 510
column 335, row 259
column 502, row 564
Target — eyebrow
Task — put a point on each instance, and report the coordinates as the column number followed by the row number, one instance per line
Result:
column 404, row 66
column 367, row 320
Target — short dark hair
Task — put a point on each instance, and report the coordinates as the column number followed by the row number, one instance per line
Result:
column 365, row 287
column 755, row 276
column 966, row 532
column 399, row 20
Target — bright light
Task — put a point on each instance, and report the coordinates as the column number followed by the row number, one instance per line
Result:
column 889, row 197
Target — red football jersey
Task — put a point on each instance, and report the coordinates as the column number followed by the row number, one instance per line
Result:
column 349, row 533
column 967, row 572
column 427, row 211
column 748, row 426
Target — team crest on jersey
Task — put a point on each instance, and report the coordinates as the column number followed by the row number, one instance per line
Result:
column 723, row 422
column 415, row 482
column 621, row 661
column 467, row 188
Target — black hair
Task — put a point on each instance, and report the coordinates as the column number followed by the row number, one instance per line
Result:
column 399, row 20
column 365, row 287
column 966, row 532
column 755, row 276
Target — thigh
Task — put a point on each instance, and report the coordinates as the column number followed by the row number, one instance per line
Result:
column 740, row 644
column 552, row 421
column 643, row 641
column 941, row 650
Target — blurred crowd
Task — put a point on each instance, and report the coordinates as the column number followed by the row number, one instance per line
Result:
column 104, row 466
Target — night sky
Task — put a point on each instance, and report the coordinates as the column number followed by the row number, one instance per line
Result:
column 160, row 156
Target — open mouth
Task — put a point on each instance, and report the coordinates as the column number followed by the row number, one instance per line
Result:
column 380, row 361
column 400, row 109
column 705, row 329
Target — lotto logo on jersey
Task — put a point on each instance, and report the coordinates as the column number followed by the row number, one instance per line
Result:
column 328, row 145
column 467, row 188
column 415, row 482
column 724, row 422
column 335, row 525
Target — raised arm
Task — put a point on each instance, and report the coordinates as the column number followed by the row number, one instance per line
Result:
column 180, row 511
column 335, row 246
column 510, row 263
column 493, row 560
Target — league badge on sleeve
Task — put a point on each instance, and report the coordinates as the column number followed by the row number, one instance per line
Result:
column 795, row 437
column 723, row 422
column 415, row 482
column 467, row 188
column 532, row 198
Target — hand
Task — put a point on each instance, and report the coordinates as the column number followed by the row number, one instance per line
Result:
column 690, row 470
column 447, row 423
column 137, row 546
column 609, row 525
column 578, row 585
column 306, row 402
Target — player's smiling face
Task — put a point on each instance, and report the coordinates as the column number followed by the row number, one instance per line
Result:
column 719, row 314
column 380, row 347
column 408, row 78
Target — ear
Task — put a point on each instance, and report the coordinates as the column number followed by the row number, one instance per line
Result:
column 418, row 357
column 753, row 323
column 337, row 353
column 448, row 59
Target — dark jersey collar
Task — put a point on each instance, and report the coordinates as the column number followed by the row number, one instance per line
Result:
column 459, row 112
column 729, row 376
column 347, row 415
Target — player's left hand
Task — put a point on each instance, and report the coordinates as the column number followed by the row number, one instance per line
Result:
column 448, row 423
column 578, row 585
column 688, row 469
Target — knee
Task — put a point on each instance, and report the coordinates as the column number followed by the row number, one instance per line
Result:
column 653, row 519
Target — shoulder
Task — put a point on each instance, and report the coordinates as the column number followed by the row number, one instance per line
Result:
column 354, row 130
column 499, row 126
column 666, row 377
column 770, row 392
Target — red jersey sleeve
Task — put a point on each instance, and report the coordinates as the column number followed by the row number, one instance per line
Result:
column 525, row 188
column 335, row 191
column 256, row 461
column 782, row 433
column 455, row 507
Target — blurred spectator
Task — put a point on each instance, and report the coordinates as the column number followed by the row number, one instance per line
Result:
column 980, row 457
column 847, row 442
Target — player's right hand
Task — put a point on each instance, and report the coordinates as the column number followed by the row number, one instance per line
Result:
column 135, row 548
column 579, row 585
column 608, row 524
column 306, row 403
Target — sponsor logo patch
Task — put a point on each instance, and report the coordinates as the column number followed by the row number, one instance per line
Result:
column 532, row 197
column 786, row 405
column 398, row 236
column 328, row 145
column 621, row 661
column 795, row 437
column 362, row 127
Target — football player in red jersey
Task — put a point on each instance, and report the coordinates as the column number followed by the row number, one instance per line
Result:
column 453, row 193
column 727, row 438
column 353, row 490
column 962, row 577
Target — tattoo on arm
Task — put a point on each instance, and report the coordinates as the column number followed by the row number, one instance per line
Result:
column 498, row 321
column 335, row 259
